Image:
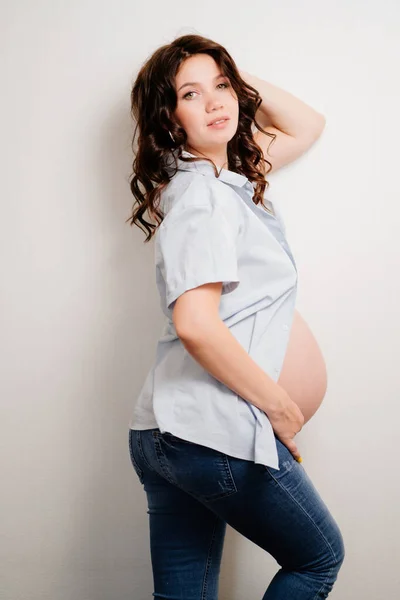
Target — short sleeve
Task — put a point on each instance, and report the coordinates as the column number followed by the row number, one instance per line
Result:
column 198, row 245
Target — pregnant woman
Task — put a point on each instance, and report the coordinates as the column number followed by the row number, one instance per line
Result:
column 237, row 372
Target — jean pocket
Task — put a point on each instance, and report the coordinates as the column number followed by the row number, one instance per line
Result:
column 173, row 439
column 287, row 463
column 201, row 471
column 132, row 451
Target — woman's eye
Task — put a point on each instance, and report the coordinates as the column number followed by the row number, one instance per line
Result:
column 224, row 84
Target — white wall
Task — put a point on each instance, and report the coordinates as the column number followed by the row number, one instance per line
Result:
column 80, row 314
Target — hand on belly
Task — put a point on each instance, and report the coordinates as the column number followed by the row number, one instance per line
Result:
column 303, row 375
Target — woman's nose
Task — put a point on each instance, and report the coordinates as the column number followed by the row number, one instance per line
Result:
column 213, row 99
column 213, row 104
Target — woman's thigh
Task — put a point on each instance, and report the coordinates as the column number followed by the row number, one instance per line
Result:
column 282, row 512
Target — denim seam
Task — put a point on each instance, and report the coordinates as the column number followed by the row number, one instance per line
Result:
column 133, row 459
column 229, row 473
column 140, row 448
column 162, row 463
column 323, row 584
column 208, row 562
column 305, row 512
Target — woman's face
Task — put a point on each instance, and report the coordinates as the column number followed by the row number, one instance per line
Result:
column 208, row 96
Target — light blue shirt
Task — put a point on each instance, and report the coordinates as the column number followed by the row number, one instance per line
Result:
column 213, row 231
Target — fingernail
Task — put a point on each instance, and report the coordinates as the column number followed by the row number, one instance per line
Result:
column 299, row 459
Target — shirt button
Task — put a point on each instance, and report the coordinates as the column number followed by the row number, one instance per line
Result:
column 285, row 326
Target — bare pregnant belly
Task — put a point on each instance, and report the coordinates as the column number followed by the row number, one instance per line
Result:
column 303, row 375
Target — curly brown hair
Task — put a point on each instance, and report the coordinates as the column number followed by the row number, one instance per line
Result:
column 153, row 102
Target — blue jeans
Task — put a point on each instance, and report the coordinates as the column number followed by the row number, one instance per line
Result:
column 192, row 493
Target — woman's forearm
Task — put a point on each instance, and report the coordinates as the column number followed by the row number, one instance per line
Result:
column 217, row 350
column 283, row 110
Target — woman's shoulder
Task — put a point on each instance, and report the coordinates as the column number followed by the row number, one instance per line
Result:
column 189, row 189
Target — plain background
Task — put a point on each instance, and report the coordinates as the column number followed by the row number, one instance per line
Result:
column 80, row 314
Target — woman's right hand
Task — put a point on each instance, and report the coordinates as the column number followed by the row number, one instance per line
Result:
column 286, row 421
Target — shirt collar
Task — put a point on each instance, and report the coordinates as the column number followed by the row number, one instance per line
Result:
column 206, row 168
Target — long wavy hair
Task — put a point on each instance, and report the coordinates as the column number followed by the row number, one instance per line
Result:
column 153, row 102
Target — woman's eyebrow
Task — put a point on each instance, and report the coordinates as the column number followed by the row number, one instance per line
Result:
column 198, row 83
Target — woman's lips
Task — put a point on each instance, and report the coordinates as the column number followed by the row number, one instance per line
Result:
column 219, row 125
